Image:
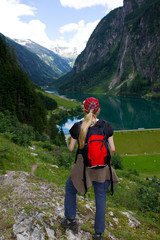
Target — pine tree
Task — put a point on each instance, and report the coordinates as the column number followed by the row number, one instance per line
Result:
column 52, row 128
column 17, row 92
column 62, row 137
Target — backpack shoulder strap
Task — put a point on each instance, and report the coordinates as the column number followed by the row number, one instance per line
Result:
column 101, row 123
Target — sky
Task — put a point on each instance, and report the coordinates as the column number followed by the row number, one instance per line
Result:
column 67, row 23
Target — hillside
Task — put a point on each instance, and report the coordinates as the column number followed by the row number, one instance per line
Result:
column 35, row 210
column 58, row 64
column 19, row 98
column 38, row 71
column 122, row 55
column 32, row 181
column 17, row 92
column 42, row 66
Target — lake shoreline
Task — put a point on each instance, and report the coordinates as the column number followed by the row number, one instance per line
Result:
column 131, row 130
column 123, row 113
column 140, row 129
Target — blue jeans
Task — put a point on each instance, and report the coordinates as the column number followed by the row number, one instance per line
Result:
column 100, row 190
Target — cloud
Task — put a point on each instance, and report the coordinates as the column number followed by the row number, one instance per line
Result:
column 114, row 4
column 81, row 33
column 14, row 8
column 12, row 26
column 69, row 28
column 78, row 4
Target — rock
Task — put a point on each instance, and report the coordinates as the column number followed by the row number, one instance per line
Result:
column 133, row 222
column 34, row 210
column 50, row 234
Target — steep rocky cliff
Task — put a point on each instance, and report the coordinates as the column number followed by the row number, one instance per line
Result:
column 122, row 55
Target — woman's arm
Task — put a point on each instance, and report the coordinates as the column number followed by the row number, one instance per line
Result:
column 111, row 145
column 72, row 144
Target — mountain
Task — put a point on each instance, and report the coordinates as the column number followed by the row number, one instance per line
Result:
column 64, row 52
column 38, row 71
column 59, row 64
column 41, row 68
column 122, row 55
column 70, row 54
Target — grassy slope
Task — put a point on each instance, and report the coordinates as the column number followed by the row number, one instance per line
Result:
column 14, row 157
column 62, row 101
column 140, row 150
column 19, row 158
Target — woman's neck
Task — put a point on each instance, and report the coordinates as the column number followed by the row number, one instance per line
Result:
column 94, row 121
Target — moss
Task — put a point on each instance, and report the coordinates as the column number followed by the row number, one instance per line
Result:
column 6, row 222
column 87, row 227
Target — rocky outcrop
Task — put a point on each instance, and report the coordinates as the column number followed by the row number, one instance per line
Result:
column 125, row 42
column 32, row 210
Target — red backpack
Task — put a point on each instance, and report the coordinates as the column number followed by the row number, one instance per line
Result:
column 96, row 152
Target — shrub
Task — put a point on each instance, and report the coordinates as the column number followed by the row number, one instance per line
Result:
column 19, row 133
column 48, row 146
column 65, row 159
column 41, row 137
column 133, row 172
column 155, row 183
column 149, row 199
column 117, row 161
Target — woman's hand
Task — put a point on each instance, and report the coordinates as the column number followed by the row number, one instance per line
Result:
column 72, row 144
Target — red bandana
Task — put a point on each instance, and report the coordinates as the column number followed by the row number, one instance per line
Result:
column 91, row 103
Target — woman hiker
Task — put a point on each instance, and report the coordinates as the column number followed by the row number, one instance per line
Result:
column 100, row 178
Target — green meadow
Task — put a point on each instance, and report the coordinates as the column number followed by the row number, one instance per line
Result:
column 62, row 101
column 140, row 151
column 146, row 165
column 137, row 142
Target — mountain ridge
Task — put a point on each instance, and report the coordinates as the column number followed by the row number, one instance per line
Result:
column 58, row 63
column 42, row 65
column 122, row 54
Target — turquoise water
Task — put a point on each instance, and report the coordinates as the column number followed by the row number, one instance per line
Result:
column 123, row 113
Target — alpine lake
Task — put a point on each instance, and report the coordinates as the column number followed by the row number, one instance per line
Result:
column 123, row 113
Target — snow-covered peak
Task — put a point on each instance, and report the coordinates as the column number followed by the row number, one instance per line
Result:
column 62, row 51
column 23, row 41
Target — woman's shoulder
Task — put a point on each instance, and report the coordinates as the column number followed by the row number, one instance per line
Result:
column 75, row 129
column 106, row 126
column 79, row 122
column 103, row 123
